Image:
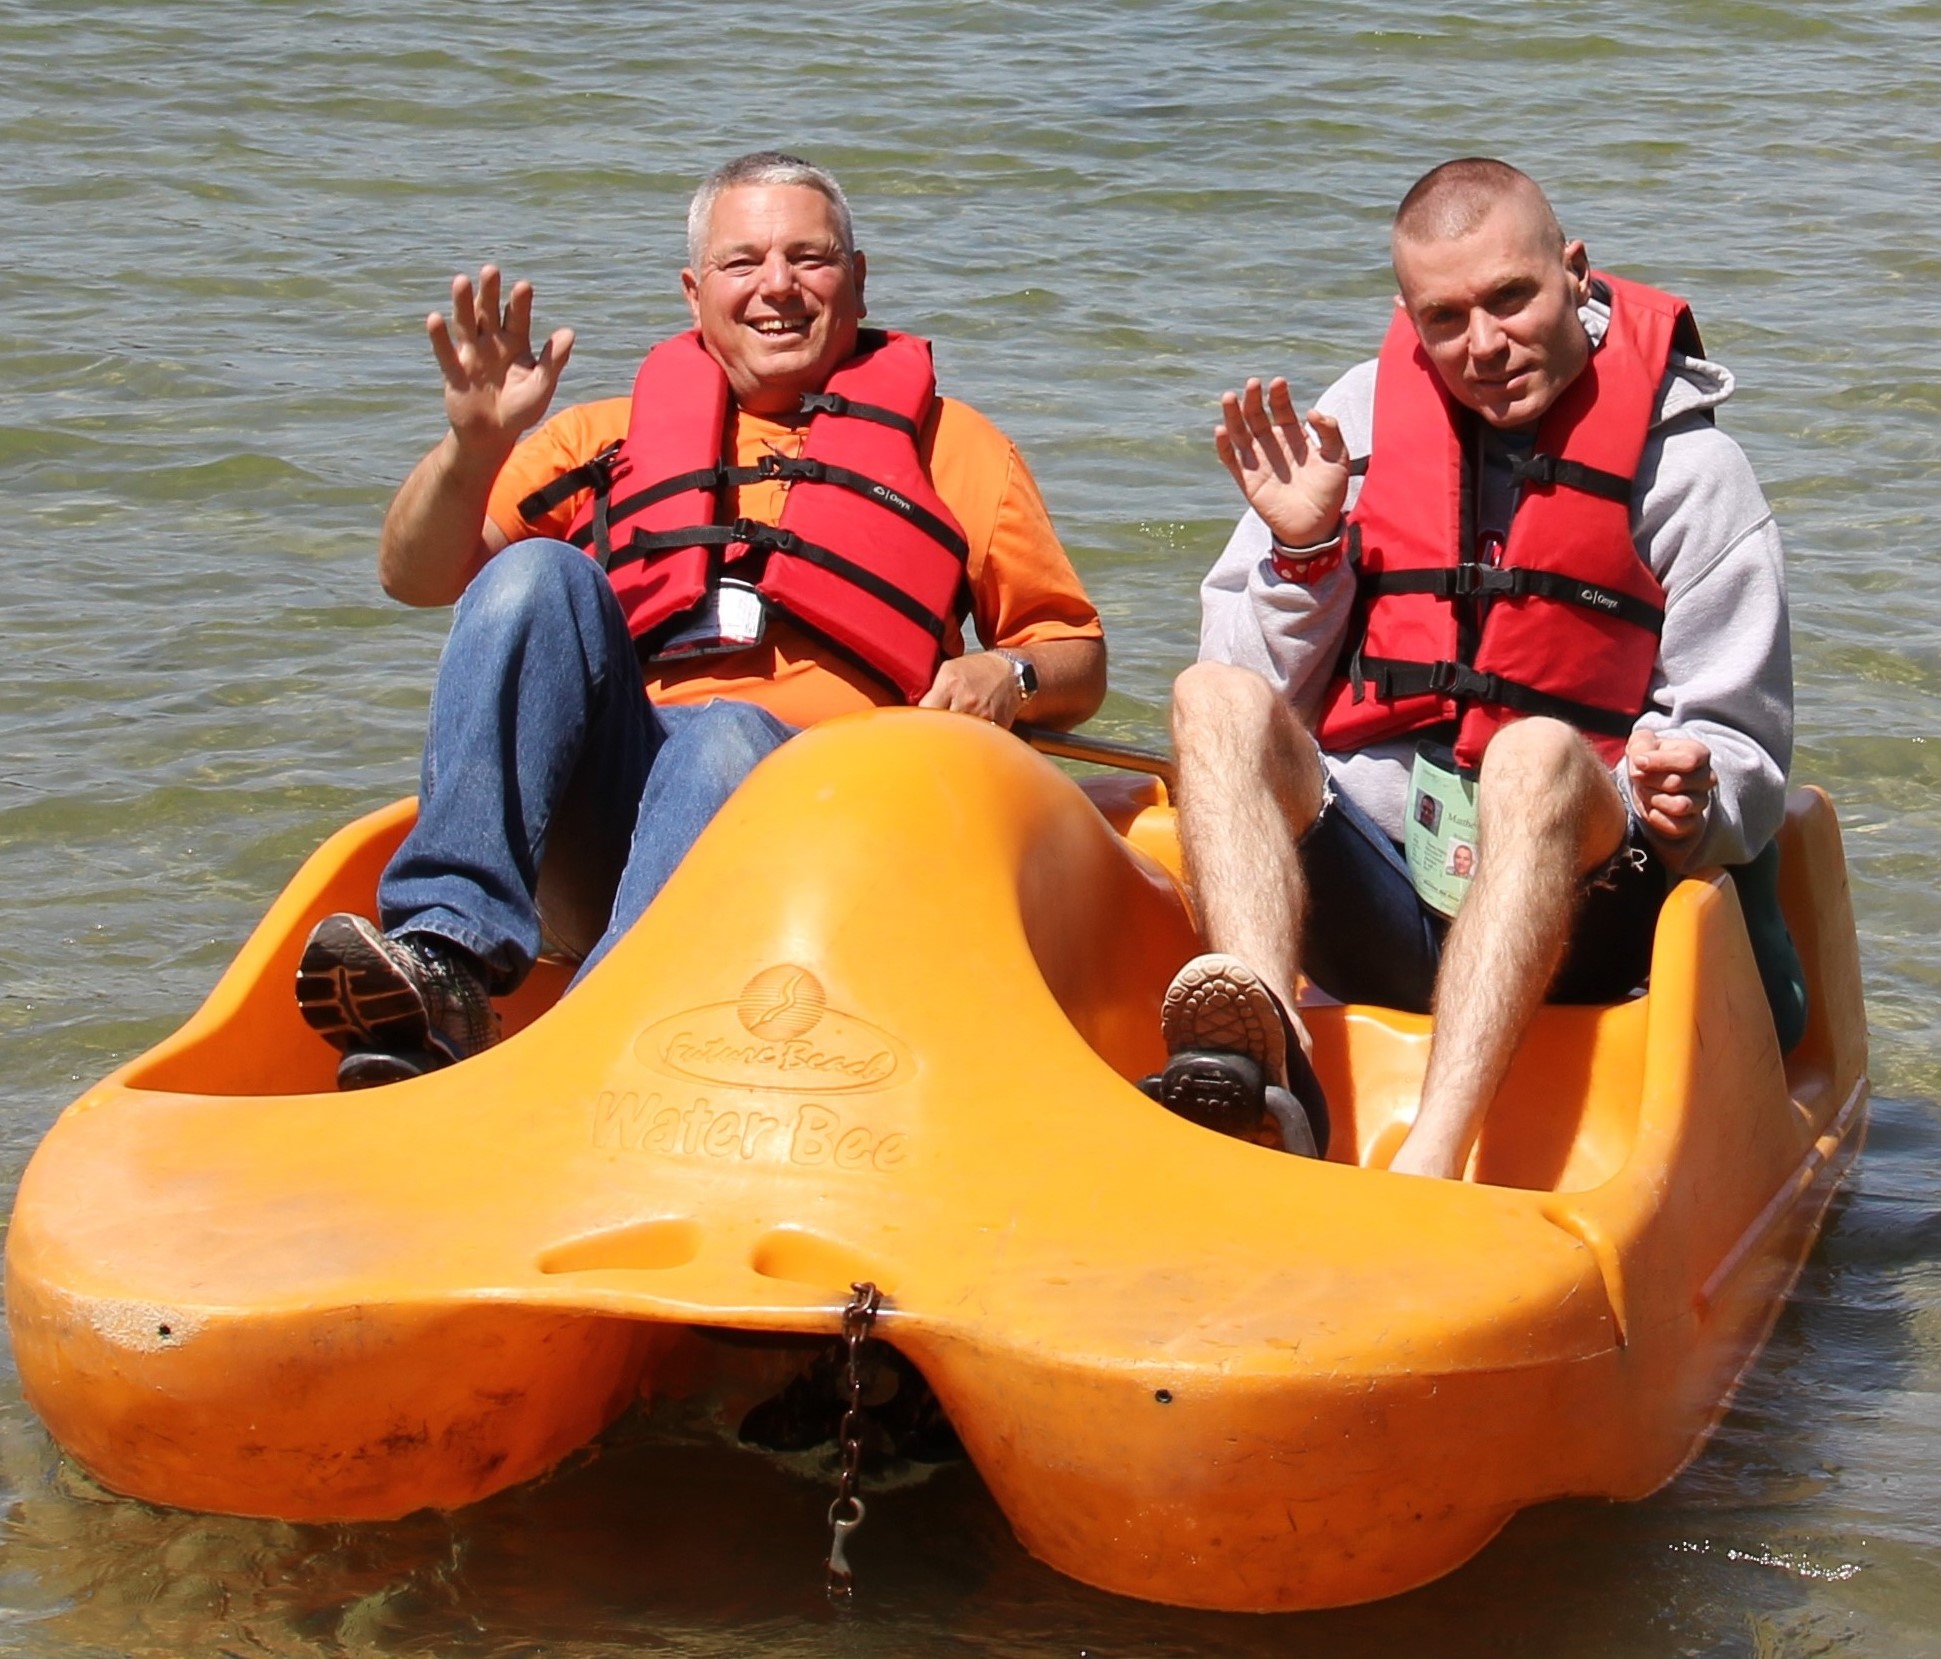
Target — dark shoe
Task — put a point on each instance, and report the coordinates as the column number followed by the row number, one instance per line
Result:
column 1231, row 1044
column 1218, row 1002
column 1218, row 1090
column 371, row 1068
column 396, row 1007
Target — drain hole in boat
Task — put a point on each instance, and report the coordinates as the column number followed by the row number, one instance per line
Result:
column 673, row 1242
column 803, row 1259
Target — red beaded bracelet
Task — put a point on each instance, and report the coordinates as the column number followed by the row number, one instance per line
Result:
column 1307, row 564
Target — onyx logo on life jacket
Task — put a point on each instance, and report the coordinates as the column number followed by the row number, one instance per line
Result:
column 779, row 1034
column 866, row 556
column 1564, row 621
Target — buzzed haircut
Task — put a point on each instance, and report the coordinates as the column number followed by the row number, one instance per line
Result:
column 763, row 167
column 1450, row 201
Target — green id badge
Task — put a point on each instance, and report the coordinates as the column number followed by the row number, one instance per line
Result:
column 1441, row 842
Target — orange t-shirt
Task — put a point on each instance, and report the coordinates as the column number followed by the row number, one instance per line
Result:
column 1023, row 588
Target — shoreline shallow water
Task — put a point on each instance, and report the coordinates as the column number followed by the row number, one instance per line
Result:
column 224, row 226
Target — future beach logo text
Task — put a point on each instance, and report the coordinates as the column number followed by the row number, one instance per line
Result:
column 776, row 1043
column 779, row 1034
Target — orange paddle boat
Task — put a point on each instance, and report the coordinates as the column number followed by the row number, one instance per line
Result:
column 883, row 1025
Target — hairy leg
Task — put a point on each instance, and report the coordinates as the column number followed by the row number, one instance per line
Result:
column 1549, row 814
column 1250, row 784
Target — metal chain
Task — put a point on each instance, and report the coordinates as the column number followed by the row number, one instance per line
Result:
column 846, row 1513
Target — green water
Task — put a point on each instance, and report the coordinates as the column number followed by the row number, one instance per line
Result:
column 223, row 225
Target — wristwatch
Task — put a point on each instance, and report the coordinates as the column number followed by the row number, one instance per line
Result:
column 1024, row 675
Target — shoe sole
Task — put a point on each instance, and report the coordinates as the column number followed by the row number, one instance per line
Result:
column 353, row 995
column 1218, row 1002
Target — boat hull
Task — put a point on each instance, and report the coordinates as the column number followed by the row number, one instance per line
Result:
column 883, row 1025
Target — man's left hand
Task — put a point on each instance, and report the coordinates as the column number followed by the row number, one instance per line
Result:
column 980, row 683
column 1671, row 783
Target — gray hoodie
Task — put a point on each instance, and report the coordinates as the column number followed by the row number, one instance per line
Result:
column 1724, row 673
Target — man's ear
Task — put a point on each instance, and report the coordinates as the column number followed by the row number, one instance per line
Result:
column 691, row 292
column 859, row 270
column 1577, row 261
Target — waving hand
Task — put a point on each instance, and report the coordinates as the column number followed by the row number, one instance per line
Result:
column 1295, row 478
column 436, row 534
column 496, row 386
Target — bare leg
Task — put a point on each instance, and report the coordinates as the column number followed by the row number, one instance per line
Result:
column 1549, row 814
column 1250, row 784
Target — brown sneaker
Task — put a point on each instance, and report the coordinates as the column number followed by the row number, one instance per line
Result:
column 1216, row 1001
column 396, row 1006
column 1234, row 1063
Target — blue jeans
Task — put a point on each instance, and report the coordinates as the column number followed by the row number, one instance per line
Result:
column 1368, row 937
column 555, row 800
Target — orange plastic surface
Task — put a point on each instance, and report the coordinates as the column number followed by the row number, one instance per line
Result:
column 881, row 1025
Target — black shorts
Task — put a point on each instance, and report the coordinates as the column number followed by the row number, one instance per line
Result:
column 1369, row 938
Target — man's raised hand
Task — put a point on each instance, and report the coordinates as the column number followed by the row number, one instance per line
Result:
column 1295, row 482
column 496, row 386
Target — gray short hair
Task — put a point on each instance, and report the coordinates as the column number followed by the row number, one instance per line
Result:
column 762, row 167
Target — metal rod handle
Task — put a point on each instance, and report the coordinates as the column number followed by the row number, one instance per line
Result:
column 1101, row 751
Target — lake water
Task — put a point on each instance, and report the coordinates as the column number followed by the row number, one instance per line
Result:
column 224, row 223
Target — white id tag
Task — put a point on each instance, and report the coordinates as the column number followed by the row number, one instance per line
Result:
column 732, row 618
column 1441, row 841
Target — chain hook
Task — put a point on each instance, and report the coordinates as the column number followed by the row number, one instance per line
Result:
column 846, row 1513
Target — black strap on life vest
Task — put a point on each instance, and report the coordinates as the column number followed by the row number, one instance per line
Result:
column 1471, row 581
column 1392, row 679
column 834, row 403
column 1544, row 471
column 762, row 539
column 807, row 470
column 597, row 475
column 784, row 468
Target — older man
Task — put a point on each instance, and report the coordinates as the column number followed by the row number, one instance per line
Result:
column 1548, row 623
column 784, row 522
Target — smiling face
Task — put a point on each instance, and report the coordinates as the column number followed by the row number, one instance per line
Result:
column 1496, row 310
column 778, row 295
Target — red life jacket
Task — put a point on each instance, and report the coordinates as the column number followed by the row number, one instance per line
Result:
column 1566, row 622
column 867, row 557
